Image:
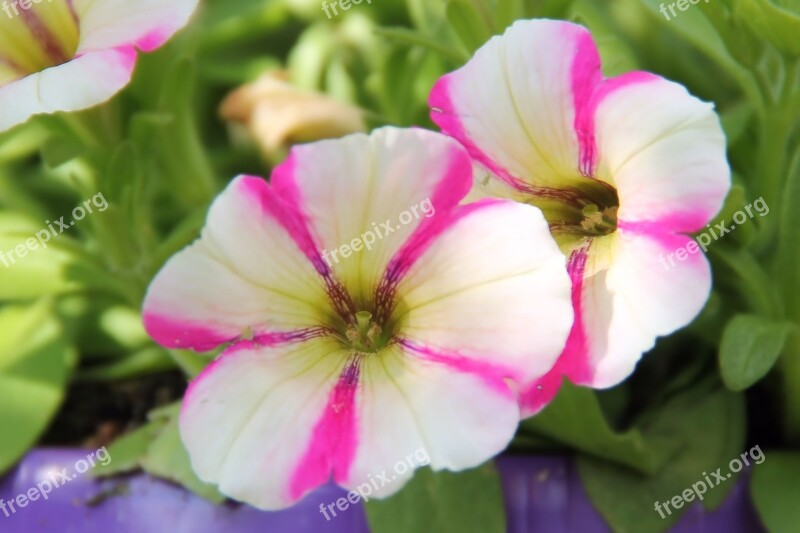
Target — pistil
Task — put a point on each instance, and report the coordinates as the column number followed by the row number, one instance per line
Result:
column 365, row 335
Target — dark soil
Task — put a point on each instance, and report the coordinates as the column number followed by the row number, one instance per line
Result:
column 93, row 414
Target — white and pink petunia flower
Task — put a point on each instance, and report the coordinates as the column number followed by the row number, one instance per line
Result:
column 341, row 366
column 68, row 55
column 623, row 169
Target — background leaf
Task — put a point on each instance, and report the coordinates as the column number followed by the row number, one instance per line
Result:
column 576, row 419
column 158, row 450
column 470, row 26
column 444, row 502
column 35, row 363
column 750, row 347
column 775, row 492
column 708, row 426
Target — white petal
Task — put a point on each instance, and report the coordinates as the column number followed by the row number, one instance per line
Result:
column 365, row 195
column 249, row 419
column 641, row 297
column 621, row 310
column 246, row 272
column 147, row 24
column 513, row 104
column 491, row 285
column 664, row 151
column 414, row 412
column 84, row 82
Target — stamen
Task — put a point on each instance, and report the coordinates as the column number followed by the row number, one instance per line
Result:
column 365, row 335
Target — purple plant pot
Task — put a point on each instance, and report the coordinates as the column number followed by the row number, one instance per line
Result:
column 542, row 494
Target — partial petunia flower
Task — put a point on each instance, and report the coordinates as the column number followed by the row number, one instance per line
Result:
column 414, row 337
column 623, row 168
column 68, row 55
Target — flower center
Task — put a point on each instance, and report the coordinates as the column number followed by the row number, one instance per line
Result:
column 365, row 335
column 598, row 223
column 44, row 35
column 587, row 208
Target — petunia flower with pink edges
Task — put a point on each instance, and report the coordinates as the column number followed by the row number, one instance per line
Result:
column 623, row 168
column 338, row 366
column 68, row 55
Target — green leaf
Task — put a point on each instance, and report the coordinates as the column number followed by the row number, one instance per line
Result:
column 777, row 25
column 789, row 5
column 694, row 27
column 123, row 170
column 167, row 457
column 416, row 38
column 735, row 206
column 709, row 428
column 753, row 283
column 308, row 58
column 35, row 364
column 178, row 143
column 735, row 121
column 576, row 419
column 468, row 24
column 38, row 261
column 143, row 362
column 444, row 502
column 60, row 149
column 775, row 492
column 157, row 449
column 128, row 451
column 750, row 347
column 426, row 15
column 788, row 246
column 507, row 11
column 23, row 141
column 617, row 55
column 735, row 201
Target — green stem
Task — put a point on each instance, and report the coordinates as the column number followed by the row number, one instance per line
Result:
column 790, row 372
column 186, row 232
column 82, row 127
column 757, row 287
column 483, row 10
column 776, row 127
column 777, row 123
column 415, row 38
column 788, row 253
column 720, row 19
column 191, row 363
